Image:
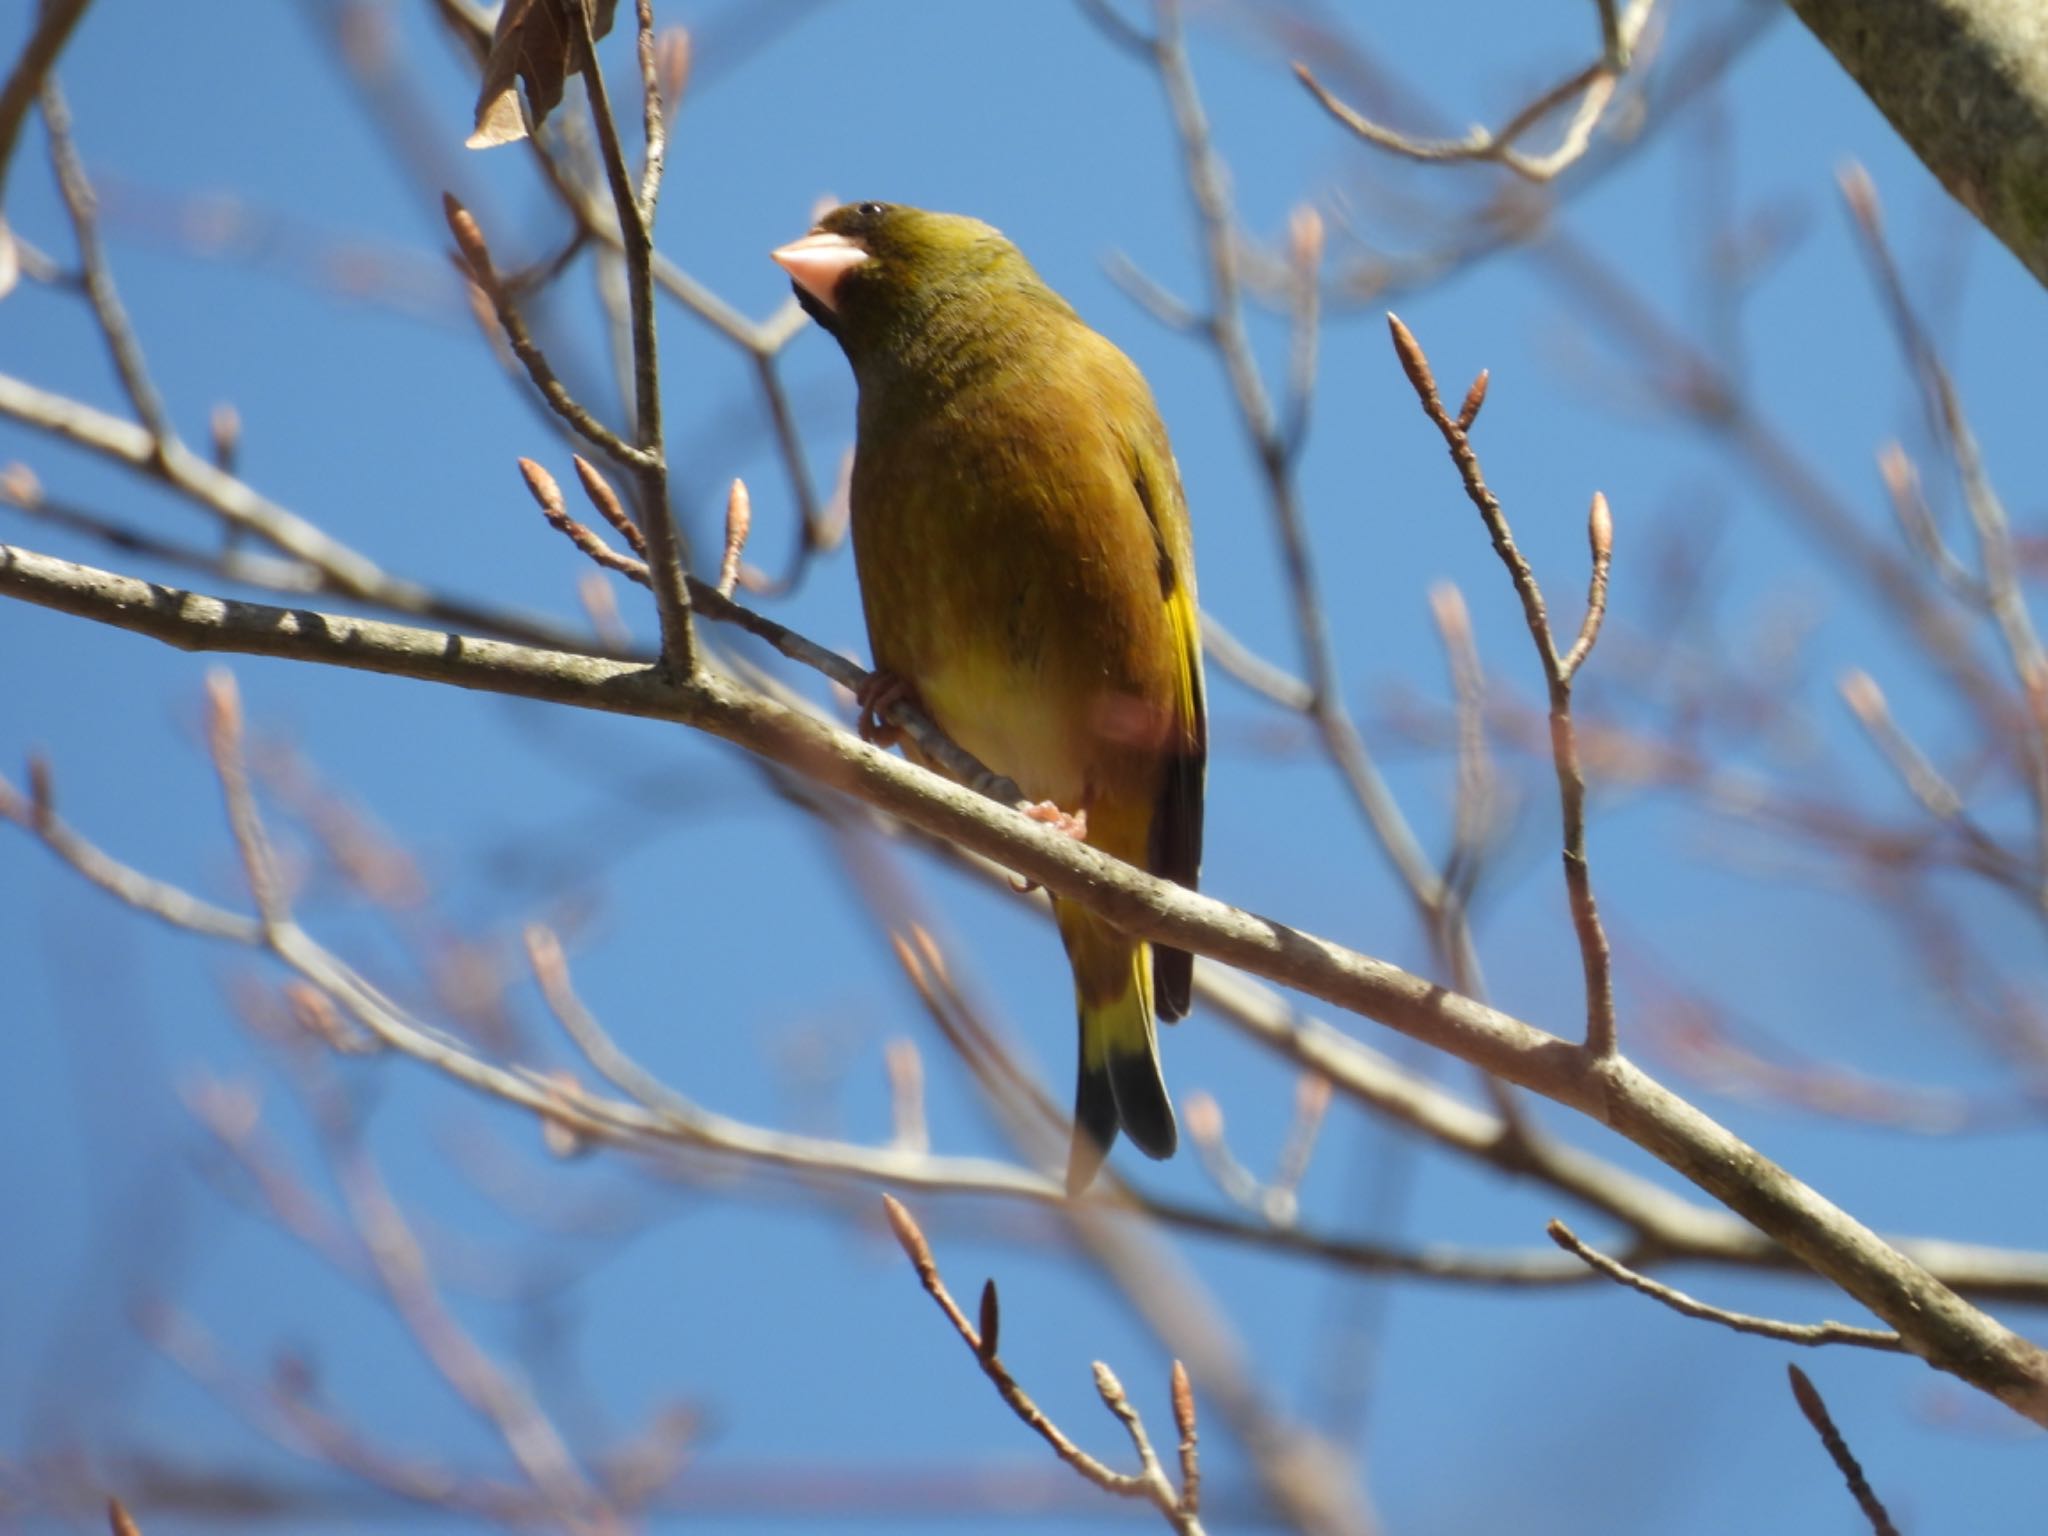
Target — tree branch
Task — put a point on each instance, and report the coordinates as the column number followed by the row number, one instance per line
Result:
column 1965, row 82
column 1937, row 1324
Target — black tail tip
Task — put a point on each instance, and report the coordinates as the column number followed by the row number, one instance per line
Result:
column 1125, row 1093
column 1142, row 1106
column 1095, row 1123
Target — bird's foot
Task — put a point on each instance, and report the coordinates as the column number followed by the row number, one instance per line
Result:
column 882, row 692
column 1074, row 824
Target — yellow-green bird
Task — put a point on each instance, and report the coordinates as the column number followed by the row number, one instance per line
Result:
column 1028, row 576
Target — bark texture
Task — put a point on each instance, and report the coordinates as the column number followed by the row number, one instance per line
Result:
column 1965, row 82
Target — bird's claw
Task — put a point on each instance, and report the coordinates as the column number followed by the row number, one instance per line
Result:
column 1074, row 824
column 882, row 692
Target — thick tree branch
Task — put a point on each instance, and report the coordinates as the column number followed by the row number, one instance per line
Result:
column 1936, row 1324
column 1965, row 82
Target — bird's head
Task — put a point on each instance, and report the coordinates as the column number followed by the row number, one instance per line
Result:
column 875, row 274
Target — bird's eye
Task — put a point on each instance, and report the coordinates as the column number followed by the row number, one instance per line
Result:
column 871, row 210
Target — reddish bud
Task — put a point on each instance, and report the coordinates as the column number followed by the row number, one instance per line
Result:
column 469, row 239
column 739, row 521
column 1413, row 362
column 1475, row 397
column 1447, row 607
column 1865, row 699
column 1305, row 239
column 672, row 58
column 1861, row 195
column 908, row 1237
column 1184, row 1399
column 545, row 491
column 20, row 487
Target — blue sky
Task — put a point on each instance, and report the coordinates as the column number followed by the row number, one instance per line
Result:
column 716, row 933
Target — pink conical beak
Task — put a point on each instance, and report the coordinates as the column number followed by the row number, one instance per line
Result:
column 817, row 262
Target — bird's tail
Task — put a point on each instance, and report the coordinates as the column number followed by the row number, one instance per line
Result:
column 1119, row 1084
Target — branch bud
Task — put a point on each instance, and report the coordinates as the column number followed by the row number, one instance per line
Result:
column 991, row 1320
column 223, row 711
column 1447, row 607
column 1305, row 239
column 42, row 793
column 739, row 520
column 469, row 240
column 1413, row 362
column 1312, row 1095
column 1184, row 1398
column 1860, row 193
column 1204, row 1118
column 1111, row 1390
column 606, row 500
column 1475, row 397
column 908, row 1237
column 558, row 1136
column 19, row 487
column 1600, row 528
column 1865, row 699
column 1901, row 479
column 226, row 425
column 544, row 490
column 672, row 58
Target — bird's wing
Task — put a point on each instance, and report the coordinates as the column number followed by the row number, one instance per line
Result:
column 1176, row 835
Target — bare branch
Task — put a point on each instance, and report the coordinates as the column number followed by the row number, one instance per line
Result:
column 54, row 21
column 83, row 207
column 1558, row 671
column 1936, row 1324
column 476, row 255
column 1148, row 1483
column 1810, row 1334
column 1588, row 90
column 1823, row 1423
column 635, row 213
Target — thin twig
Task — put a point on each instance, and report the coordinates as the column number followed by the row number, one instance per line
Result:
column 718, row 606
column 1558, row 671
column 294, row 1420
column 1472, row 807
column 239, row 508
column 1916, row 771
column 1149, row 1483
column 481, row 270
column 83, row 207
column 529, row 1436
column 1184, row 1421
column 1811, row 1335
column 1823, row 1423
column 1951, row 429
column 252, row 842
column 1675, row 1231
column 1591, row 87
column 1442, row 919
column 54, row 21
column 635, row 211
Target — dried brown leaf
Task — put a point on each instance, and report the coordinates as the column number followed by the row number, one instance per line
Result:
column 535, row 44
